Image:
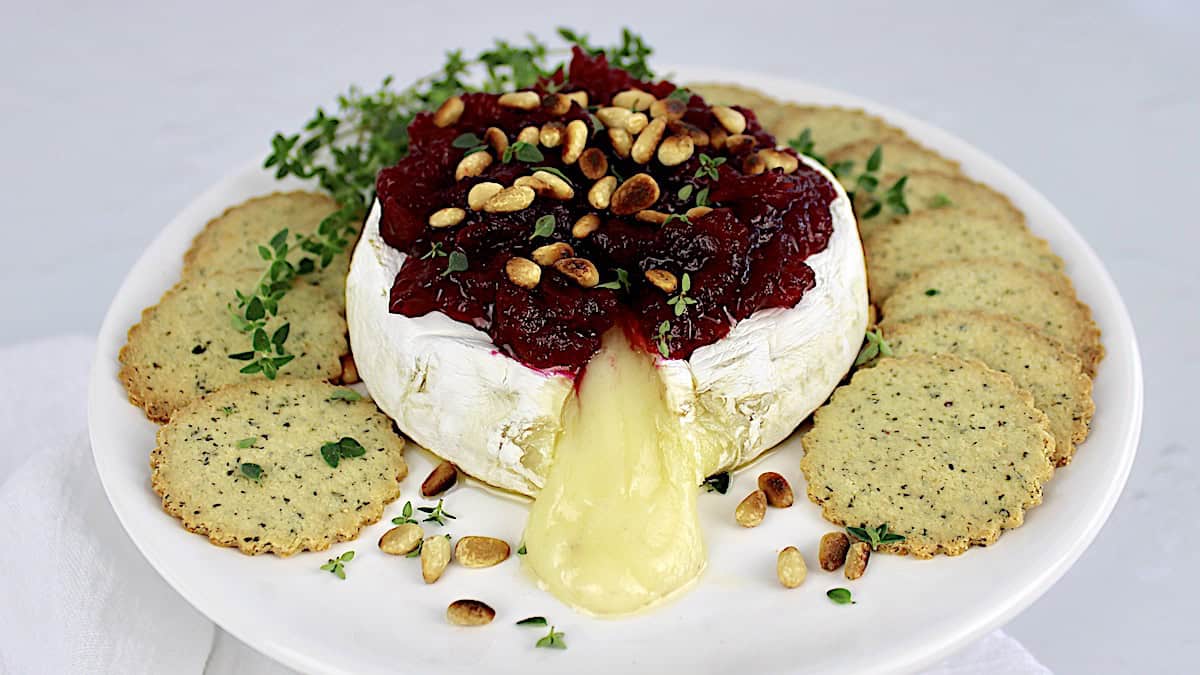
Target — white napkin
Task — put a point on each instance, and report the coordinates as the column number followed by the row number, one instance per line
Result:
column 76, row 597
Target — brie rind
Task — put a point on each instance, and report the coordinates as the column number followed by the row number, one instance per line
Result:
column 452, row 391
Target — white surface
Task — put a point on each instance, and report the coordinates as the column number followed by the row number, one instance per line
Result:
column 151, row 105
column 742, row 394
column 308, row 621
column 97, row 600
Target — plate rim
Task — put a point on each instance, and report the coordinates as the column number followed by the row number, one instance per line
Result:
column 1006, row 180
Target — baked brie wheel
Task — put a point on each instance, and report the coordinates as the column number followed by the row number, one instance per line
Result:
column 600, row 309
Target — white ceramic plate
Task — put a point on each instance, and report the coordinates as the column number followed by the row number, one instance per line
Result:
column 382, row 618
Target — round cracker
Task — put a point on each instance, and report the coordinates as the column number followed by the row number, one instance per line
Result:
column 1036, row 363
column 944, row 451
column 299, row 502
column 180, row 349
column 929, row 238
column 1043, row 300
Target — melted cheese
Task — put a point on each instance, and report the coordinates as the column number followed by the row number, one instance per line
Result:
column 614, row 529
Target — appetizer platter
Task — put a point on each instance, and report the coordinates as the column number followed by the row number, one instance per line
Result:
column 548, row 362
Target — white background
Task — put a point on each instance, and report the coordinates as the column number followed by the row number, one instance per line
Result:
column 115, row 116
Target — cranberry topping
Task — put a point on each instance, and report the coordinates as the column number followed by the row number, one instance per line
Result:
column 745, row 254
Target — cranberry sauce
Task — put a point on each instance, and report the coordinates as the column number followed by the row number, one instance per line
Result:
column 708, row 269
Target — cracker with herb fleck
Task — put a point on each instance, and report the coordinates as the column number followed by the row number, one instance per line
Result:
column 1037, row 364
column 180, row 349
column 900, row 156
column 245, row 466
column 230, row 242
column 928, row 238
column 944, row 451
column 928, row 190
column 1043, row 300
column 831, row 127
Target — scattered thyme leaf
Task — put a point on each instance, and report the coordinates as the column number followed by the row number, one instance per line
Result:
column 552, row 640
column 337, row 566
column 681, row 301
column 345, row 395
column 544, row 227
column 940, row 201
column 685, row 192
column 405, row 515
column 455, row 262
column 247, row 442
column 664, row 347
column 533, row 621
column 436, row 514
column 620, row 283
column 841, row 596
column 343, row 448
column 252, row 471
column 875, row 346
column 931, row 292
column 521, row 551
column 875, row 537
column 435, row 251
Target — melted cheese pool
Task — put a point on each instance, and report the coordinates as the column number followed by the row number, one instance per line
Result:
column 615, row 529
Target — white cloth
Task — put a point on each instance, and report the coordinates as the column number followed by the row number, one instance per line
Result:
column 76, row 597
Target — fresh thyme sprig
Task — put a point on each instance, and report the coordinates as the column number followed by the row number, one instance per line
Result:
column 337, row 566
column 681, row 301
column 343, row 150
column 875, row 537
column 406, row 515
column 437, row 514
column 664, row 345
column 876, row 346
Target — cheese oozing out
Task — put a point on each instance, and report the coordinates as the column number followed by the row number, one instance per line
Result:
column 615, row 529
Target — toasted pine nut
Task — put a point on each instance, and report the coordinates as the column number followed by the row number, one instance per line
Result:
column 670, row 108
column 554, row 186
column 636, row 194
column 523, row 272
column 778, row 490
column 680, row 128
column 790, row 567
column 476, row 552
column 753, row 165
column 832, row 553
column 633, row 99
column 593, row 163
column 442, row 478
column 480, row 193
column 622, row 142
column 579, row 97
column 675, row 150
column 575, row 141
column 529, row 135
column 733, row 121
column 470, row 613
column 636, row 122
column 738, row 143
column 613, row 117
column 777, row 159
column 652, row 217
column 549, row 254
column 551, row 134
column 647, row 141
column 581, row 270
column 601, row 193
column 521, row 100
column 402, row 539
column 857, row 559
column 662, row 280
column 586, row 225
column 448, row 112
column 717, row 137
column 435, row 556
column 697, row 211
column 510, row 199
column 751, row 510
column 556, row 104
column 349, row 369
column 497, row 139
column 472, row 165
column 447, row 217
